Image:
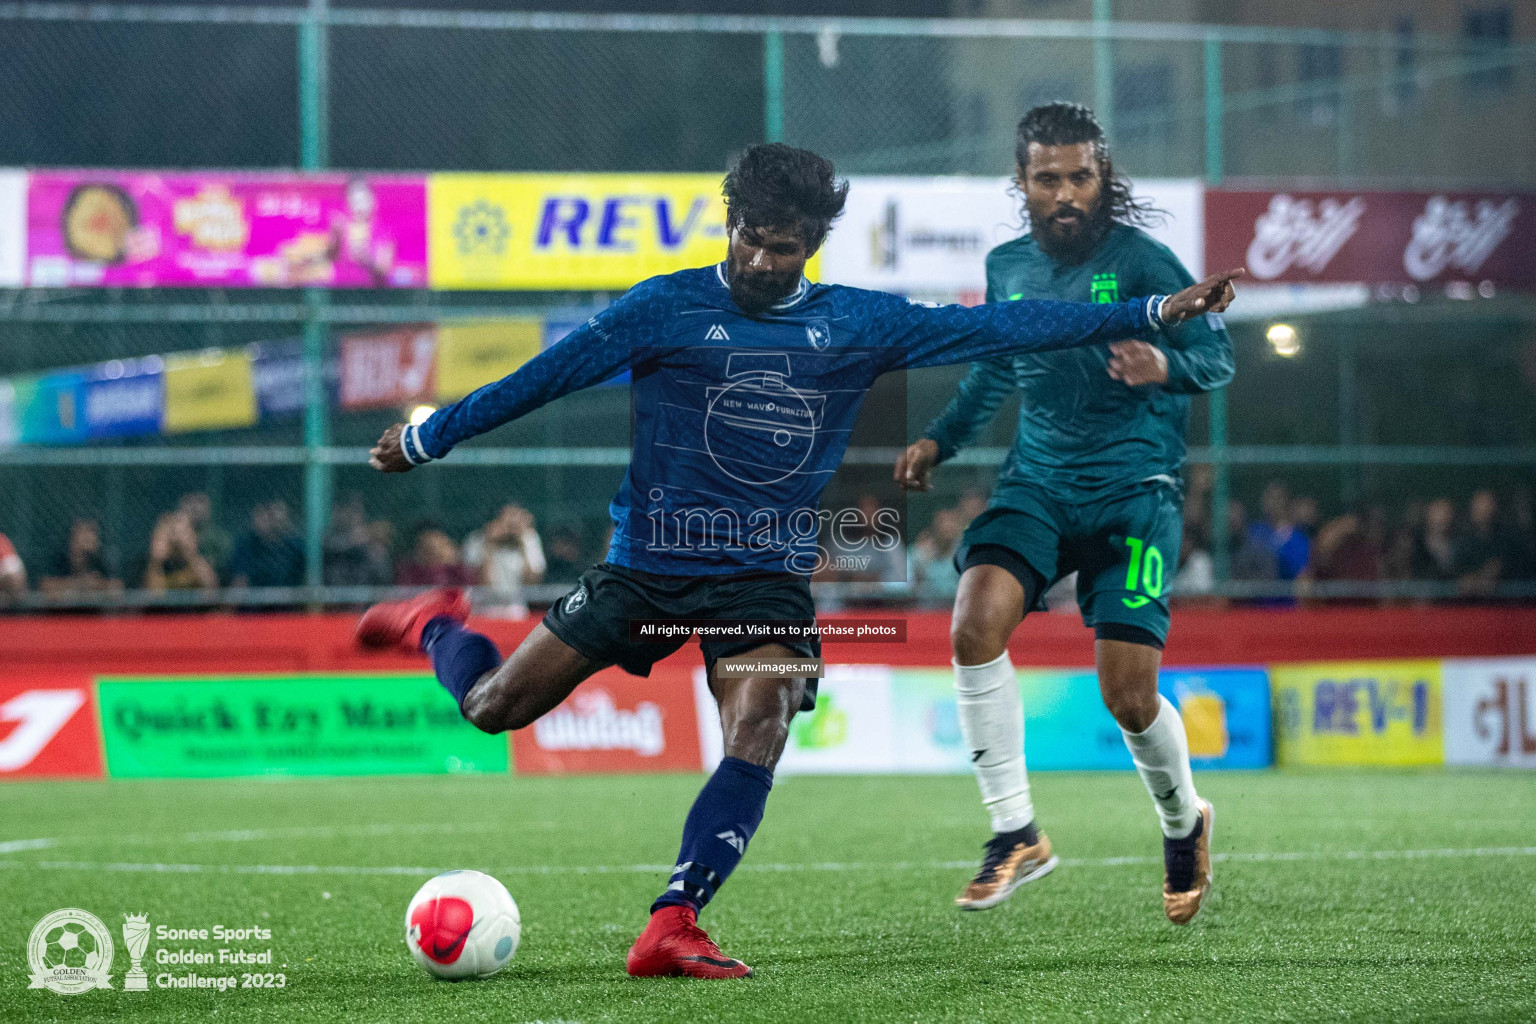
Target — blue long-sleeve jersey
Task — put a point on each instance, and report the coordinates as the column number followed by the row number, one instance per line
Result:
column 740, row 420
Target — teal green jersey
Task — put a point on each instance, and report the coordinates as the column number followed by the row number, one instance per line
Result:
column 1083, row 435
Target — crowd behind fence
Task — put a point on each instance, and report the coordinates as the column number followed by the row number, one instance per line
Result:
column 167, row 86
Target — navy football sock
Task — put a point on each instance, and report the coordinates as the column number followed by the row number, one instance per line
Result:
column 459, row 656
column 728, row 810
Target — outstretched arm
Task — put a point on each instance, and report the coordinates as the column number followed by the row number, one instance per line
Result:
column 589, row 355
column 919, row 335
column 974, row 405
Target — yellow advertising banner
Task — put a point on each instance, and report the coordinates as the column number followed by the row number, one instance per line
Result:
column 212, row 390
column 576, row 231
column 477, row 352
column 1358, row 713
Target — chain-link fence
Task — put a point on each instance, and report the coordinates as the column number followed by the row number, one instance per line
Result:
column 251, row 87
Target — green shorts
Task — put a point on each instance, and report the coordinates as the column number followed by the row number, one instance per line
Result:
column 1124, row 549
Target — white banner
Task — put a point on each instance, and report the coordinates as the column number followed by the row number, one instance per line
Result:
column 13, row 227
column 1490, row 711
column 850, row 732
column 929, row 237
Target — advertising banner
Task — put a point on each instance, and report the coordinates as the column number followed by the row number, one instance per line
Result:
column 574, row 231
column 851, row 730
column 476, row 353
column 13, row 227
column 124, row 398
column 10, row 422
column 48, row 407
column 225, row 230
column 48, row 728
column 281, row 725
column 212, row 390
column 615, row 723
column 277, row 373
column 380, row 369
column 1225, row 711
column 929, row 237
column 1490, row 711
column 1358, row 713
column 1419, row 238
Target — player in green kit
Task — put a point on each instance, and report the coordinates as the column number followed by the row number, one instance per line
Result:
column 1092, row 485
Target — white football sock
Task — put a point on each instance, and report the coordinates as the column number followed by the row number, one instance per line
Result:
column 992, row 723
column 1162, row 757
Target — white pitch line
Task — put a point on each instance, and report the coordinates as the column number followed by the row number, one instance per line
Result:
column 17, row 845
column 1277, row 857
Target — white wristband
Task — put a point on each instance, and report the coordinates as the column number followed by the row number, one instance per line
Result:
column 410, row 446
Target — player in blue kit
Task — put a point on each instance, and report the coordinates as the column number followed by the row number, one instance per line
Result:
column 746, row 382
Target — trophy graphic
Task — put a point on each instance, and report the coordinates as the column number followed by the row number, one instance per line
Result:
column 136, row 937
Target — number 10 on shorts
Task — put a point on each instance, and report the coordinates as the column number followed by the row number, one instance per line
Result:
column 1145, row 572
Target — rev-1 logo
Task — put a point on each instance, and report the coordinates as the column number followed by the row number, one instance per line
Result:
column 615, row 224
column 1336, row 705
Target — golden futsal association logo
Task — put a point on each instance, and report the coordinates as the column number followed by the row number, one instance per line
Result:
column 70, row 951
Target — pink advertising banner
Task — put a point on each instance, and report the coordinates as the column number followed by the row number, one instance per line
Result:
column 222, row 230
column 1417, row 238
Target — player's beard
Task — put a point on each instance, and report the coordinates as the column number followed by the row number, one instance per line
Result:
column 754, row 291
column 1073, row 242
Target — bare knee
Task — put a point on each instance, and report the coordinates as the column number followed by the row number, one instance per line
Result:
column 1135, row 707
column 491, row 705
column 988, row 608
column 977, row 641
column 1128, row 682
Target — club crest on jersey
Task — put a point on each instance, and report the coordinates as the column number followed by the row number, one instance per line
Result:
column 1105, row 288
column 819, row 334
column 716, row 333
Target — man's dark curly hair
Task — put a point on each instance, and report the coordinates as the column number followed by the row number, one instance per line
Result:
column 1067, row 124
column 772, row 185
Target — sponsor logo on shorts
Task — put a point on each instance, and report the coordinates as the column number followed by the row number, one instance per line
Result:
column 577, row 598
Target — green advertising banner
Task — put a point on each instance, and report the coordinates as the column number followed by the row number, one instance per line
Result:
column 200, row 727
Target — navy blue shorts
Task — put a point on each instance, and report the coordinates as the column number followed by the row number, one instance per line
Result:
column 594, row 617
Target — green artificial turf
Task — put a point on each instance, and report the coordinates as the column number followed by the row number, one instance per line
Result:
column 843, row 904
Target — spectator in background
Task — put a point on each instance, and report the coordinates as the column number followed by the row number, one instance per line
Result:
column 1305, row 516
column 1348, row 547
column 565, row 562
column 175, row 563
column 1397, row 559
column 434, row 562
column 1434, row 547
column 82, row 568
column 508, row 555
column 13, row 575
column 864, row 547
column 271, row 554
column 353, row 555
column 1197, row 569
column 933, row 574
column 972, row 504
column 213, row 543
column 1484, row 548
column 1275, row 541
column 1250, row 559
column 1521, row 526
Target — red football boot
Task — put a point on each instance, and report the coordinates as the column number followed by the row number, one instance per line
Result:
column 399, row 623
column 673, row 944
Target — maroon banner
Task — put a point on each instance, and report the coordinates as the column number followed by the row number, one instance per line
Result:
column 1420, row 238
column 388, row 368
